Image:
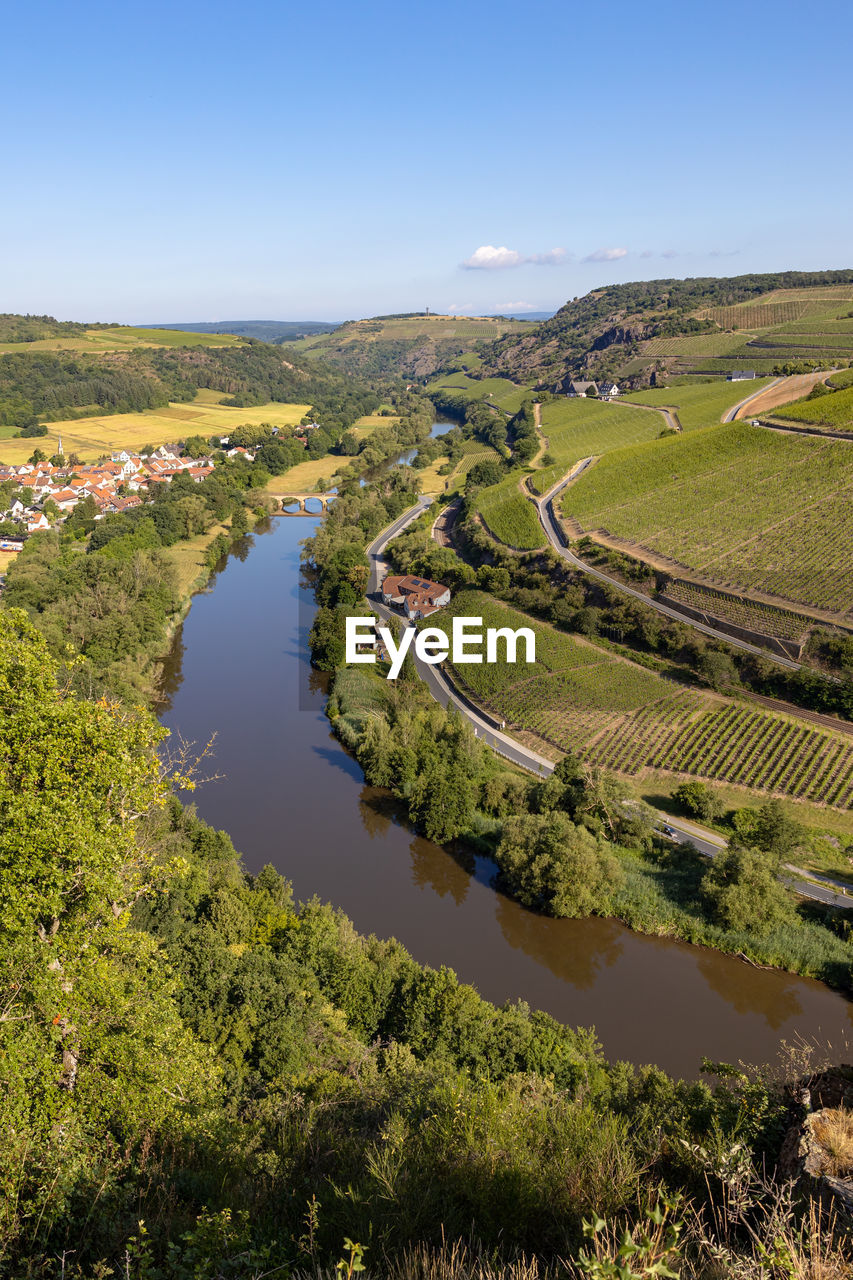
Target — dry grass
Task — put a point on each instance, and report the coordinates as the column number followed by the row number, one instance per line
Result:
column 833, row 1129
column 188, row 558
column 369, row 422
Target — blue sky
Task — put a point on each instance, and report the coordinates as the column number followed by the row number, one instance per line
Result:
column 191, row 161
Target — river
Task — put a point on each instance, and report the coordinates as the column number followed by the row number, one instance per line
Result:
column 290, row 795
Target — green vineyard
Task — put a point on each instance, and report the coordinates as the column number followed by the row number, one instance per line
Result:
column 745, row 507
column 582, row 428
column 578, row 697
column 835, row 410
column 701, row 405
column 509, row 516
column 752, row 615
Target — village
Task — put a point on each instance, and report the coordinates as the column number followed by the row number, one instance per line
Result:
column 41, row 493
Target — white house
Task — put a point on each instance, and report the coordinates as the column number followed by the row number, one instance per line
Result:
column 419, row 596
column 607, row 389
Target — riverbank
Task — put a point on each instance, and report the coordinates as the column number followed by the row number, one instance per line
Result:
column 292, row 796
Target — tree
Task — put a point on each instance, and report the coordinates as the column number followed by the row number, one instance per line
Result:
column 698, row 800
column 743, row 890
column 36, row 456
column 717, row 669
column 91, row 1045
column 554, row 866
column 776, row 832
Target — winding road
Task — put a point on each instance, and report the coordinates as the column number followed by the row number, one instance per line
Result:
column 708, row 843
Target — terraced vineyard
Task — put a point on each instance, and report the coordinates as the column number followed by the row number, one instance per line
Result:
column 509, row 516
column 580, row 698
column 700, row 405
column 765, row 315
column 750, row 614
column 744, row 507
column 834, row 410
column 580, row 428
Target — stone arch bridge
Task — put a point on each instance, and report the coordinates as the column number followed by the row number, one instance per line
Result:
column 288, row 500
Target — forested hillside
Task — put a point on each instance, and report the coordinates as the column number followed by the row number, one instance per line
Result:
column 38, row 386
column 598, row 334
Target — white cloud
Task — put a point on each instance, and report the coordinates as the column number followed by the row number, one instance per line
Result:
column 507, row 307
column 492, row 258
column 669, row 253
column 467, row 309
column 605, row 255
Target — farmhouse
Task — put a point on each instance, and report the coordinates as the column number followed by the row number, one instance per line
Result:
column 582, row 389
column 418, row 597
column 607, row 389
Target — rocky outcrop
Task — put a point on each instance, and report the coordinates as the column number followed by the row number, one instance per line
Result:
column 808, row 1155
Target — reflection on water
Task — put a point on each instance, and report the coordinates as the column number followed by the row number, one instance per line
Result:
column 291, row 796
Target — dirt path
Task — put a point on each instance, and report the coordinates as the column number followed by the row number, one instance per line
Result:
column 782, row 391
column 543, row 440
column 668, row 414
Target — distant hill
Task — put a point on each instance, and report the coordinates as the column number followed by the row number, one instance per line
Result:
column 525, row 315
column 413, row 346
column 634, row 332
column 275, row 331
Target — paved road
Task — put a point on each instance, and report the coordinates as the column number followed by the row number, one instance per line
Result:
column 735, row 409
column 550, row 523
column 378, row 567
column 707, row 842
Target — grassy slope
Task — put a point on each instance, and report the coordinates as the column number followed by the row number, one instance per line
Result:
column 740, row 505
column 835, row 410
column 509, row 516
column 701, row 405
column 581, row 428
column 123, row 338
column 502, row 392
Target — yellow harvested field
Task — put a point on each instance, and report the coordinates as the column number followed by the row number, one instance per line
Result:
column 92, row 437
column 304, row 476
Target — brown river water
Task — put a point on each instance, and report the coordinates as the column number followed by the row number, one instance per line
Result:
column 290, row 795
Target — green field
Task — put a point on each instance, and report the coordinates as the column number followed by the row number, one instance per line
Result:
column 744, row 507
column 582, row 428
column 498, row 391
column 95, row 436
column 123, row 338
column 835, row 410
column 700, row 405
column 578, row 697
column 509, row 516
